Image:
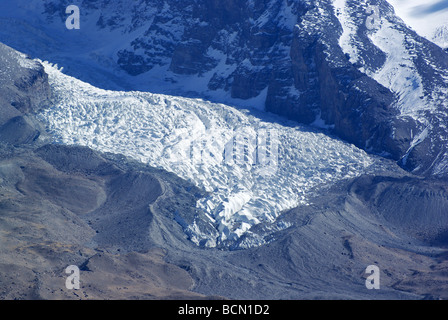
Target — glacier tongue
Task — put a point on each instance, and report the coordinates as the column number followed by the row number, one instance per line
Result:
column 192, row 137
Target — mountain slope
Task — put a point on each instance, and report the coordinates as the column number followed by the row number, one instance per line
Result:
column 24, row 89
column 47, row 193
column 415, row 71
column 381, row 88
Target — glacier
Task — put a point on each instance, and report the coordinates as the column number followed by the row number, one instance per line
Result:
column 188, row 136
column 168, row 131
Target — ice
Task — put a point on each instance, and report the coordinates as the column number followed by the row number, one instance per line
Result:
column 275, row 170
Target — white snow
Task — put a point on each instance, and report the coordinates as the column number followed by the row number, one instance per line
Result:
column 398, row 72
column 425, row 22
column 188, row 137
column 348, row 30
column 440, row 36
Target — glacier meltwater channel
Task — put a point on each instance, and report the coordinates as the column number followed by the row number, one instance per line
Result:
column 162, row 130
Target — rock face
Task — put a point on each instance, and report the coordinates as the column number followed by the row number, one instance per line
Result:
column 24, row 89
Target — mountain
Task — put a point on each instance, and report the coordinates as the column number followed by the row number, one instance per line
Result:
column 47, row 192
column 234, row 149
column 382, row 88
column 121, row 221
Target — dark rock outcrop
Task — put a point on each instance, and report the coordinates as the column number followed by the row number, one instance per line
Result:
column 24, row 89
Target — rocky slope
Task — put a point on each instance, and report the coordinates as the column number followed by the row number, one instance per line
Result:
column 45, row 227
column 24, row 89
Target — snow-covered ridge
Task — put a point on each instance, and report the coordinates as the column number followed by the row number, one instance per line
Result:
column 398, row 73
column 440, row 36
column 414, row 70
column 427, row 22
column 161, row 130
